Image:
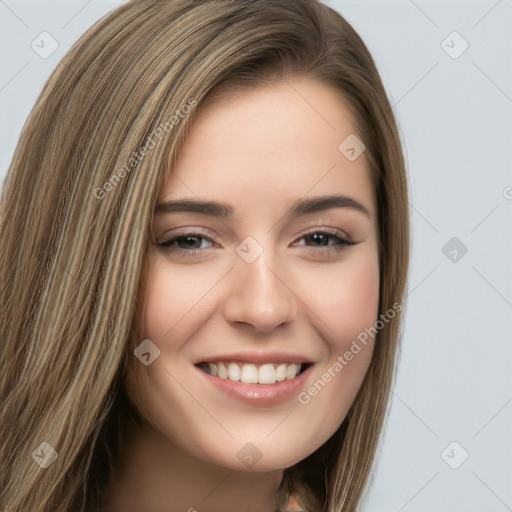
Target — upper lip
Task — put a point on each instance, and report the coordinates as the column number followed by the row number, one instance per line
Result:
column 257, row 358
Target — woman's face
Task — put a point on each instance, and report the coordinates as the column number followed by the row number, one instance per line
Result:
column 249, row 270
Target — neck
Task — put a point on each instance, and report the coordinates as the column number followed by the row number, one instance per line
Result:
column 155, row 475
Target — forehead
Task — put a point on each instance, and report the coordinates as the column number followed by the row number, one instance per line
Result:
column 270, row 145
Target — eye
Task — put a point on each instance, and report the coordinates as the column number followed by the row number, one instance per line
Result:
column 320, row 240
column 189, row 243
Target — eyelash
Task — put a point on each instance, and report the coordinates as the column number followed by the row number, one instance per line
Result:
column 332, row 249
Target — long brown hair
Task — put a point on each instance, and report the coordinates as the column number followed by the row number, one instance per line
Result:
column 76, row 211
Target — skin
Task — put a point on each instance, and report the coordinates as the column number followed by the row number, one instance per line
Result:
column 259, row 150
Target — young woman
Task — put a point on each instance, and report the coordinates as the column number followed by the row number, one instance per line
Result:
column 205, row 243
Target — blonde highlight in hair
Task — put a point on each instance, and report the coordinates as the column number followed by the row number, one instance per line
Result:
column 71, row 261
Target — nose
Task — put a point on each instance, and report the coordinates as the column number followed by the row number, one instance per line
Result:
column 259, row 296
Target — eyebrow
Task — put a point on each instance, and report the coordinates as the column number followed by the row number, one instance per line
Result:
column 299, row 207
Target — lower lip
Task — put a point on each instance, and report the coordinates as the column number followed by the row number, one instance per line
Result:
column 260, row 394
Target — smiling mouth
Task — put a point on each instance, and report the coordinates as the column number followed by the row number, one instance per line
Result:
column 248, row 373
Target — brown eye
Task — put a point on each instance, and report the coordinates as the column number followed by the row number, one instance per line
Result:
column 321, row 240
column 190, row 243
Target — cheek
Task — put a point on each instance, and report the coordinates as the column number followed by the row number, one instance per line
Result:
column 166, row 305
column 347, row 300
column 171, row 296
column 345, row 297
column 357, row 297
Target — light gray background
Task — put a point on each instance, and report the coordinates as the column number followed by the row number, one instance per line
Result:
column 455, row 114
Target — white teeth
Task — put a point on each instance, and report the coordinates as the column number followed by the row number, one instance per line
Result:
column 222, row 372
column 281, row 372
column 234, row 372
column 291, row 370
column 268, row 373
column 249, row 374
